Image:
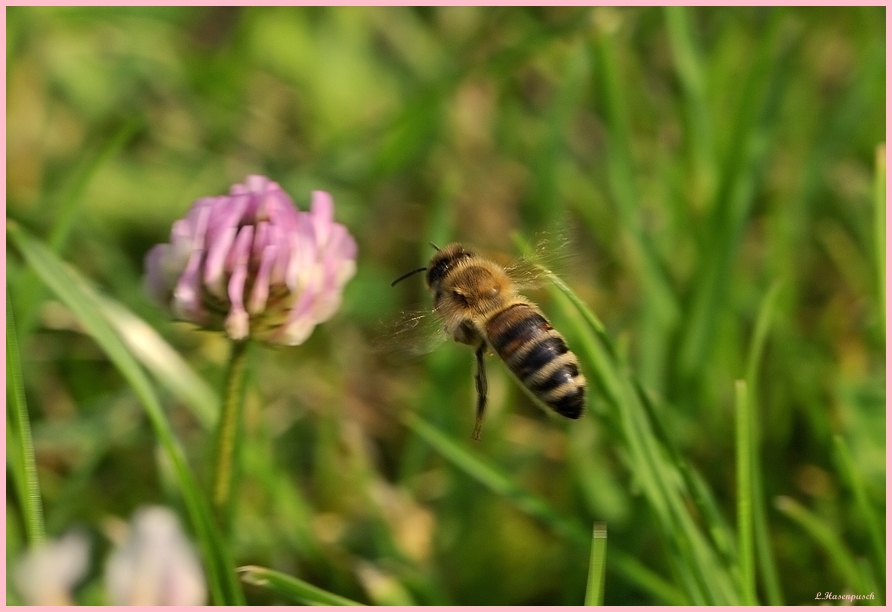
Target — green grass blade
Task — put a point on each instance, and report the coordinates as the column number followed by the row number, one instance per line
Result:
column 879, row 229
column 870, row 583
column 767, row 566
column 637, row 573
column 745, row 546
column 290, row 510
column 594, row 591
column 291, row 588
column 702, row 496
column 760, row 334
column 404, row 138
column 688, row 67
column 65, row 215
column 69, row 207
column 828, row 539
column 20, row 449
column 590, row 317
column 76, row 294
column 439, row 229
column 543, row 206
column 621, row 172
column 868, row 516
column 497, row 482
column 162, row 361
column 752, row 128
column 705, row 578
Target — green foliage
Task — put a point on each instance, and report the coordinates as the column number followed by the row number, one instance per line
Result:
column 720, row 173
column 294, row 590
column 76, row 294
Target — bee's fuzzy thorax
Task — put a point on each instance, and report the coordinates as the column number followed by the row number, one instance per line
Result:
column 480, row 306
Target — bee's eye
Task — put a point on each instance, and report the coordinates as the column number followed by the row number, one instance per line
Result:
column 460, row 297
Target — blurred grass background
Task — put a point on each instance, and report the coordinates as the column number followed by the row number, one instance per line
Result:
column 720, row 171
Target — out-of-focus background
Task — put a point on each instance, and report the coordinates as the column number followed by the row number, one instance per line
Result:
column 701, row 166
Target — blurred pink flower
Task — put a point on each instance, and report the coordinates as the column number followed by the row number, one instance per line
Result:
column 47, row 574
column 253, row 264
column 155, row 565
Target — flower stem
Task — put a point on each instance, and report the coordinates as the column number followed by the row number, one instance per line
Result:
column 228, row 430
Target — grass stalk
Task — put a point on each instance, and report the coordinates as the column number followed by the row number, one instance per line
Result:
column 500, row 483
column 165, row 364
column 733, row 199
column 291, row 588
column 828, row 539
column 621, row 171
column 20, row 451
column 879, row 228
column 694, row 561
column 766, row 564
column 705, row 579
column 745, row 545
column 868, row 516
column 688, row 67
column 67, row 212
column 631, row 569
column 594, row 591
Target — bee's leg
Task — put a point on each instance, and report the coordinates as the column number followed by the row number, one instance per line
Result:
column 480, row 379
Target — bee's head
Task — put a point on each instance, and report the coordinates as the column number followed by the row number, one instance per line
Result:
column 459, row 286
column 440, row 265
column 443, row 261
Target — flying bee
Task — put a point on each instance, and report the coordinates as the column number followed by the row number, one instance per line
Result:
column 479, row 305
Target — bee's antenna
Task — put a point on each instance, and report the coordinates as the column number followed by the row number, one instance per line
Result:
column 436, row 248
column 407, row 275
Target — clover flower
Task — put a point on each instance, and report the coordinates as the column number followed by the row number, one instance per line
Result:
column 155, row 565
column 254, row 265
column 47, row 574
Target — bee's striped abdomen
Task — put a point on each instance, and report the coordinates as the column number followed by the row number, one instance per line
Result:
column 537, row 354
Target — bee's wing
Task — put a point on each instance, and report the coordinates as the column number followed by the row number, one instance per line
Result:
column 527, row 274
column 414, row 333
column 551, row 254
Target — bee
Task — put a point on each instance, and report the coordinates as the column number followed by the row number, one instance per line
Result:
column 479, row 305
